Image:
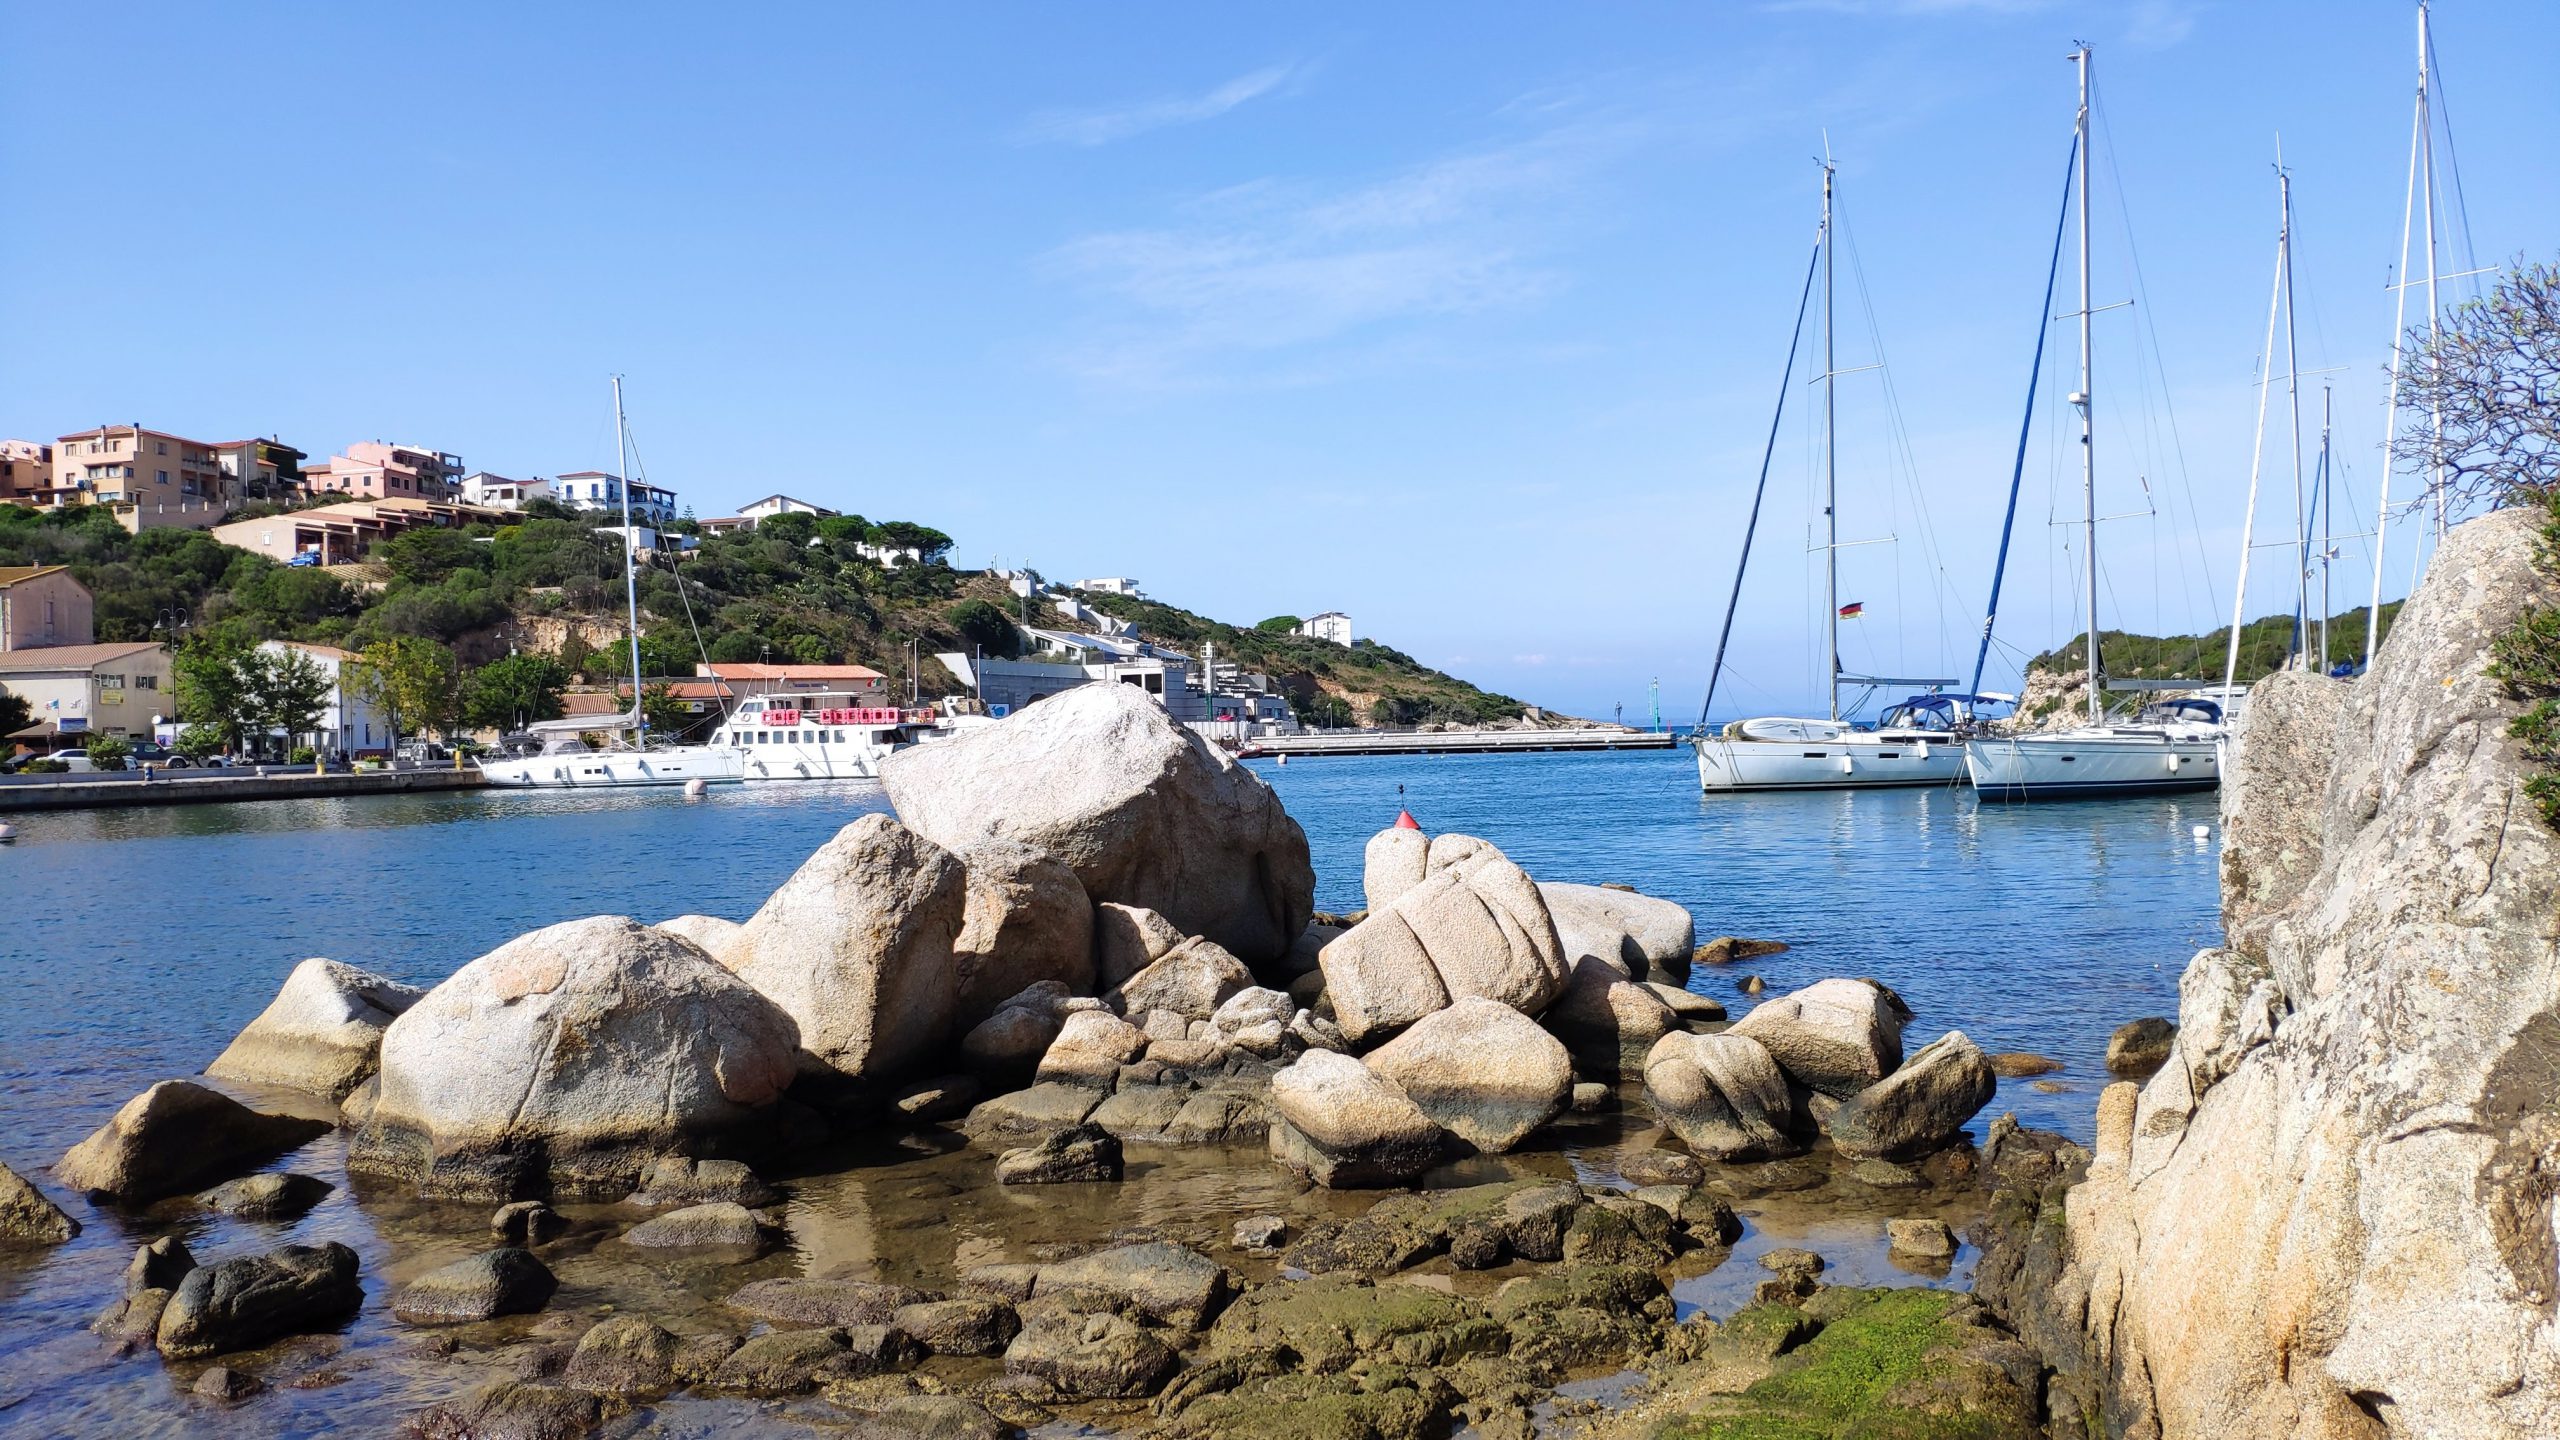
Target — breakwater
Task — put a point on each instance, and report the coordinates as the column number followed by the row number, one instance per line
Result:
column 187, row 788
column 1461, row 742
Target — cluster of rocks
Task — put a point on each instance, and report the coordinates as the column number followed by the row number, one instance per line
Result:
column 1104, row 925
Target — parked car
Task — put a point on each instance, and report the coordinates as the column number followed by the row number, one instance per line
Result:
column 75, row 762
column 149, row 752
column 304, row 559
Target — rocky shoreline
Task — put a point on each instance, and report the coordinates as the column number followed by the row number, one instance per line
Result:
column 1049, row 980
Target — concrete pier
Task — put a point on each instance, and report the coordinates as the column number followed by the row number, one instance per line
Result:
column 224, row 786
column 1459, row 742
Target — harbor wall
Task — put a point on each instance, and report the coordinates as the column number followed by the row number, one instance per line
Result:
column 213, row 789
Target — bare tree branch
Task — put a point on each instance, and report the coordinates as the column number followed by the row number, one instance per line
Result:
column 2493, row 375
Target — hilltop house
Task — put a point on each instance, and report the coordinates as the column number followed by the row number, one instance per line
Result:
column 379, row 470
column 1332, row 626
column 598, row 490
column 500, row 493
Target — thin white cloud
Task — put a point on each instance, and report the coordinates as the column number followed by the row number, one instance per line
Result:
column 2158, row 24
column 1104, row 125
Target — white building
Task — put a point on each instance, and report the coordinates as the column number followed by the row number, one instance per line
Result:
column 773, row 505
column 597, row 490
column 888, row 557
column 348, row 724
column 1112, row 585
column 1332, row 625
column 500, row 493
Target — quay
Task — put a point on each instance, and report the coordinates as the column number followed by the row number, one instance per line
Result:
column 1459, row 742
column 297, row 784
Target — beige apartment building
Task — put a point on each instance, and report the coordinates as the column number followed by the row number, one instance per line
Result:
column 264, row 469
column 151, row 477
column 42, row 605
column 377, row 470
column 26, row 468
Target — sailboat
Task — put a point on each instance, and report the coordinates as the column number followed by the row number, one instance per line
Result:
column 565, row 760
column 1916, row 741
column 2171, row 746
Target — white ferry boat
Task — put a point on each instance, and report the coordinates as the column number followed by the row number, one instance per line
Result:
column 819, row 736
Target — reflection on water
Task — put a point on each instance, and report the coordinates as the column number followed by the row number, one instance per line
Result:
column 133, row 944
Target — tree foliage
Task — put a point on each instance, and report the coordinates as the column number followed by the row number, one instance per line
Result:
column 16, row 714
column 2492, row 372
column 414, row 682
column 510, row 693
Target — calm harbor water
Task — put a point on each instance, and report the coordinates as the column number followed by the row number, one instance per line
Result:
column 136, row 943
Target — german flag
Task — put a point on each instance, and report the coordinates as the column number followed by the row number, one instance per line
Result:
column 1853, row 610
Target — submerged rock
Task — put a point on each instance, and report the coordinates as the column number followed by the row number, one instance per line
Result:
column 625, row 1355
column 1724, row 1096
column 1167, row 1283
column 26, row 1215
column 857, row 947
column 682, row 1180
column 158, row 1264
column 1344, row 1126
column 1834, row 1036
column 177, row 1136
column 526, row 1222
column 792, row 1301
column 273, row 1196
column 1481, row 1071
column 566, row 1061
column 322, row 1033
column 1083, row 1153
column 1145, row 813
column 513, row 1410
column 1725, row 949
column 244, row 1302
column 718, row 1223
column 504, row 1281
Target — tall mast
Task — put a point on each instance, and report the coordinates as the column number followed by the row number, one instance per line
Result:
column 630, row 550
column 2293, row 402
column 2435, row 316
column 2088, row 448
column 1830, row 462
column 2258, row 444
column 2420, row 145
column 2327, row 516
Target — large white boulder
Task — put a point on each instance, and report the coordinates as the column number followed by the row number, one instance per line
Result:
column 1476, row 927
column 1724, row 1097
column 1345, row 1126
column 1192, row 981
column 1608, row 1021
column 322, row 1032
column 712, row 932
column 1481, row 1070
column 565, row 1061
column 857, row 948
column 1835, row 1036
column 1144, row 811
column 1922, row 1106
column 1395, row 861
column 1638, row 935
column 1026, row 920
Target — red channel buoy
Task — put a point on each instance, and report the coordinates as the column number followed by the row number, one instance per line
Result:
column 1405, row 821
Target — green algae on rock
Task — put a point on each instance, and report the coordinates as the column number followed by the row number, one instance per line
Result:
column 1902, row 1363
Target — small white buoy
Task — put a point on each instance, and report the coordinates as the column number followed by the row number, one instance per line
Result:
column 1284, row 759
column 694, row 788
column 2203, row 833
column 8, row 832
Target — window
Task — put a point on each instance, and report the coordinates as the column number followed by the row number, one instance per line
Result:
column 164, row 477
column 164, row 447
column 110, row 682
column 146, row 682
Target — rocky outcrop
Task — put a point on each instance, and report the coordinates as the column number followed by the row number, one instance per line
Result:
column 1637, row 935
column 322, row 1032
column 1475, row 926
column 175, row 1137
column 504, row 1281
column 271, row 1196
column 1191, row 980
column 1395, row 861
column 2330, row 1214
column 1128, row 939
column 857, row 947
column 1026, row 920
column 566, row 1061
column 1724, row 1096
column 1143, row 811
column 1608, row 1021
column 1481, row 1070
column 1834, row 1036
column 1343, row 1125
column 1090, row 1049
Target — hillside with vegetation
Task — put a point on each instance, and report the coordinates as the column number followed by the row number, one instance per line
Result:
column 2053, row 678
column 487, row 625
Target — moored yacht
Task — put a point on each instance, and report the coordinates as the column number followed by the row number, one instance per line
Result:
column 2170, row 745
column 817, row 736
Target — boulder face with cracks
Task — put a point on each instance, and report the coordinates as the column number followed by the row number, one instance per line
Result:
column 2330, row 1214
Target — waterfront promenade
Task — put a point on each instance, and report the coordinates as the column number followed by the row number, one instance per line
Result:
column 1459, row 742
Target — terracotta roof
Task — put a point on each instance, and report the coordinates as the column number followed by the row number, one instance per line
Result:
column 103, row 431
column 70, row 657
column 12, row 574
column 753, row 671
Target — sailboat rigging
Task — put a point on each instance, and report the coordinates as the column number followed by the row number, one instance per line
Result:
column 1914, row 742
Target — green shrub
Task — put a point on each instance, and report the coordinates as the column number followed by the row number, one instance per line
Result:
column 302, row 755
column 108, row 752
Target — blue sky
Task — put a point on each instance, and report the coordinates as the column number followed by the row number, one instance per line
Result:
column 1463, row 319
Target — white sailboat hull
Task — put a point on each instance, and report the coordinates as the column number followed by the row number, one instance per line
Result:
column 2075, row 764
column 1854, row 761
column 849, row 761
column 613, row 769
